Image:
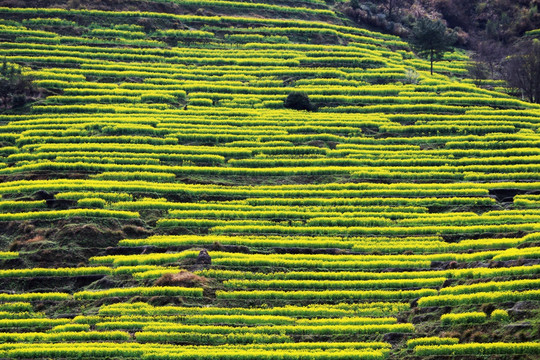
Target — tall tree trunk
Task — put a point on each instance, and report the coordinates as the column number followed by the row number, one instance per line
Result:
column 431, row 58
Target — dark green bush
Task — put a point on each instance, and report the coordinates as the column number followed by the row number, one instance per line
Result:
column 298, row 101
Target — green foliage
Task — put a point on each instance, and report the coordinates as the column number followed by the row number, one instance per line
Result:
column 14, row 86
column 463, row 318
column 298, row 101
column 500, row 315
column 91, row 203
column 431, row 39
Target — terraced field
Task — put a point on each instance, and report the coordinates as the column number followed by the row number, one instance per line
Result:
column 159, row 202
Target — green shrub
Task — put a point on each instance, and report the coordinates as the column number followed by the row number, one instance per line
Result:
column 298, row 101
column 500, row 315
column 91, row 203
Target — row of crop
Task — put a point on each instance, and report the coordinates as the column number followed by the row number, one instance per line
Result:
column 434, row 340
column 71, row 57
column 16, row 307
column 217, row 87
column 331, row 295
column 397, row 161
column 31, row 323
column 208, row 339
column 59, row 40
column 68, row 336
column 147, row 149
column 140, row 291
column 22, row 31
column 353, row 200
column 61, row 214
column 404, row 151
column 527, row 201
column 515, row 285
column 131, row 139
column 7, row 255
column 330, row 258
column 524, row 253
column 224, row 210
column 20, row 315
column 473, row 317
column 476, row 349
column 112, row 160
column 59, row 12
column 393, row 245
column 327, row 190
column 285, row 329
column 34, row 272
column 155, row 352
column 208, row 223
column 360, row 275
column 339, row 284
column 166, row 56
column 107, row 196
column 240, row 6
column 280, row 197
column 153, row 259
column 444, row 175
column 366, row 230
column 166, row 98
column 372, row 309
column 314, row 219
column 479, row 298
column 378, row 220
column 224, row 320
column 435, row 246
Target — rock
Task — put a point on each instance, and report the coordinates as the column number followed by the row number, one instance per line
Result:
column 449, row 282
column 104, row 283
column 42, row 195
column 204, row 258
column 60, row 203
column 394, row 338
column 506, row 195
column 524, row 305
column 518, row 326
column 519, row 315
column 131, row 250
column 66, row 316
column 135, row 231
column 425, row 317
column 317, row 143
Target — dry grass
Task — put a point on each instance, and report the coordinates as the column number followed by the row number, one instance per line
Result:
column 183, row 278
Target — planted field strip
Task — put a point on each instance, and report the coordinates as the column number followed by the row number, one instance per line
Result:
column 199, row 218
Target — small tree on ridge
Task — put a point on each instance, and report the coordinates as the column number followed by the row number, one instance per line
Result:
column 432, row 39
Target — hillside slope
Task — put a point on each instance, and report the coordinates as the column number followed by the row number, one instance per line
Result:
column 160, row 202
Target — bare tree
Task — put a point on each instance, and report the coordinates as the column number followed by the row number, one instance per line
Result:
column 522, row 69
column 390, row 5
column 491, row 54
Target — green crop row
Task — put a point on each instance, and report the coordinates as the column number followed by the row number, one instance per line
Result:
column 64, row 336
column 332, row 284
column 61, row 214
column 467, row 318
column 479, row 298
column 326, row 295
column 140, row 291
column 476, row 349
column 310, row 311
